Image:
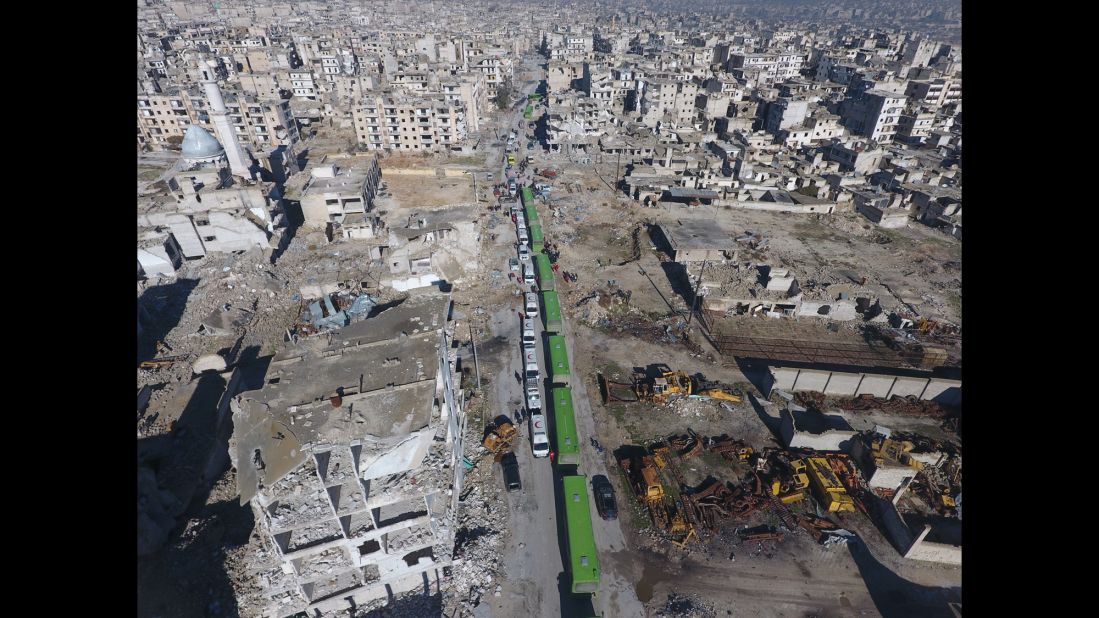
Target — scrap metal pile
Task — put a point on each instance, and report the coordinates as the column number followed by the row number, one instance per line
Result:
column 776, row 480
column 896, row 405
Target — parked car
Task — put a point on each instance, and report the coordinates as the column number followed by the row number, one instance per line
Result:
column 511, row 472
column 524, row 253
column 513, row 264
column 488, row 176
column 604, row 497
column 534, row 399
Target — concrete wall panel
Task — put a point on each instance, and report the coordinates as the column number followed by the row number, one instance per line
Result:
column 908, row 386
column 784, row 377
column 845, row 384
column 812, row 380
column 948, row 392
column 876, row 385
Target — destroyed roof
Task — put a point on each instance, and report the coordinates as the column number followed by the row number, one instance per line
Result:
column 413, row 232
column 372, row 383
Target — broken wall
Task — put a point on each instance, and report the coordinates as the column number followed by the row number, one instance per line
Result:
column 795, row 436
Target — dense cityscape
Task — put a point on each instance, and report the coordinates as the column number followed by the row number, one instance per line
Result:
column 612, row 308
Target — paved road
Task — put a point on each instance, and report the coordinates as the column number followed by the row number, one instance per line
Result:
column 537, row 571
column 617, row 596
column 533, row 561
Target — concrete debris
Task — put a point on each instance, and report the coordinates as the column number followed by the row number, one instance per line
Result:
column 687, row 606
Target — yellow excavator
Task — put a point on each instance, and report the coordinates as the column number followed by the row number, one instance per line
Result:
column 498, row 438
column 668, row 387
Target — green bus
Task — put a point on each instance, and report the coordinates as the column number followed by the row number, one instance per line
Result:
column 528, row 111
column 532, row 214
column 544, row 271
column 527, row 195
column 537, row 240
column 534, row 97
column 551, row 311
column 583, row 562
column 565, row 439
column 559, row 371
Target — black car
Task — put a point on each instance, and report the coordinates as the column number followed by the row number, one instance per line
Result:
column 604, row 497
column 511, row 472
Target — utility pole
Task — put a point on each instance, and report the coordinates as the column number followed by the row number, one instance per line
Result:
column 476, row 365
column 617, row 168
column 698, row 283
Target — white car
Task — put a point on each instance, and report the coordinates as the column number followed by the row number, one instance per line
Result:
column 488, row 176
column 513, row 264
column 524, row 253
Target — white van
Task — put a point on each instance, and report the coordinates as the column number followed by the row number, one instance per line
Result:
column 522, row 231
column 534, row 399
column 532, row 305
column 539, row 439
column 530, row 339
column 528, row 273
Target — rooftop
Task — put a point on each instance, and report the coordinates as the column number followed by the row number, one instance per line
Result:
column 371, row 384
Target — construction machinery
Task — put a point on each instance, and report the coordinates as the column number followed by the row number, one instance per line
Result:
column 500, row 435
column 669, row 386
column 792, row 488
column 828, row 486
column 666, row 514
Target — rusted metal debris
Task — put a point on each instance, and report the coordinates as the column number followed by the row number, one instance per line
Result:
column 729, row 448
column 763, row 536
column 901, row 406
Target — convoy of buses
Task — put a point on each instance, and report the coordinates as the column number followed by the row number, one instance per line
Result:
column 583, row 563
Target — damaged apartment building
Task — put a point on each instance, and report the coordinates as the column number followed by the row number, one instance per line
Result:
column 350, row 456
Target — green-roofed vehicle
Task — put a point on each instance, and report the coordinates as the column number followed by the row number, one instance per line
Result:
column 583, row 563
column 551, row 311
column 565, row 438
column 537, row 240
column 544, row 271
column 559, row 370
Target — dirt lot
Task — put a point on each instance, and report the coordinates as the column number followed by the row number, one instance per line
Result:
column 630, row 290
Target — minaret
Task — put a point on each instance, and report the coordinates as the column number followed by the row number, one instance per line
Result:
column 220, row 117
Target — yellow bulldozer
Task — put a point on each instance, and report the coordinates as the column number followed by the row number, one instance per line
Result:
column 499, row 436
column 664, row 389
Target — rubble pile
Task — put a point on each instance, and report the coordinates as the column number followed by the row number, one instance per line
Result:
column 687, row 606
column 478, row 543
column 852, row 224
column 595, row 305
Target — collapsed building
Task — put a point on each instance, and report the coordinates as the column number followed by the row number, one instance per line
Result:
column 350, row 458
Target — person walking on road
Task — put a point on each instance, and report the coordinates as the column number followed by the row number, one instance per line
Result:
column 551, row 456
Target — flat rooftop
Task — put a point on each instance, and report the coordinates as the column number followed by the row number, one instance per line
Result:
column 688, row 235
